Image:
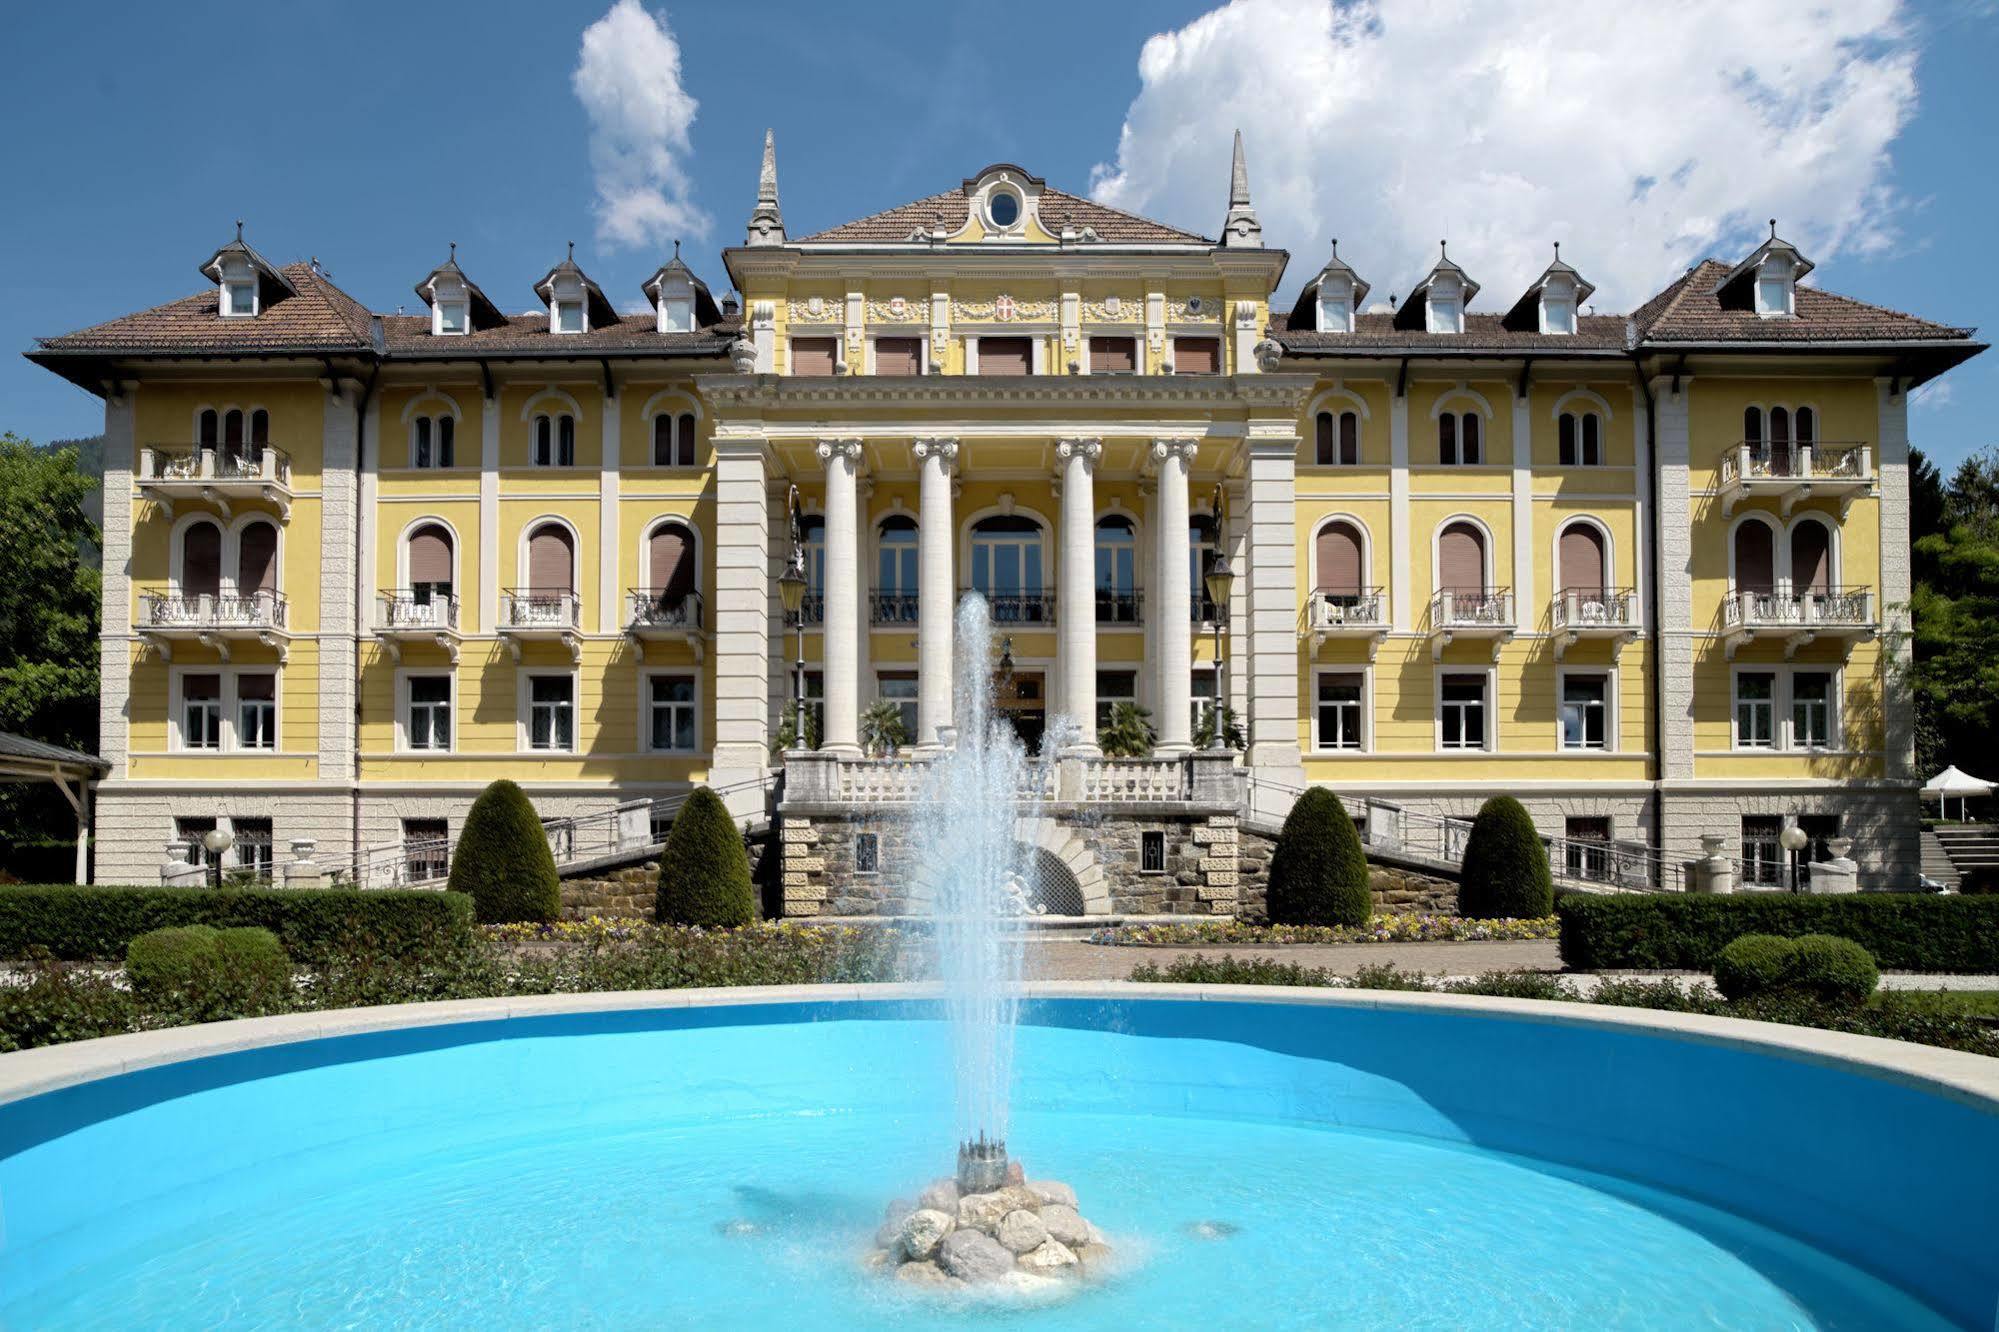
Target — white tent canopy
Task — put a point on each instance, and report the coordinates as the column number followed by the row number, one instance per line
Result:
column 1954, row 781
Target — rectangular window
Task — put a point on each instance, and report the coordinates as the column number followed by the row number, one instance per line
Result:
column 257, row 711
column 1339, row 711
column 426, row 849
column 1197, row 356
column 429, row 722
column 1006, row 356
column 421, row 442
column 1592, row 441
column 201, row 711
column 899, row 688
column 815, row 703
column 565, row 441
column 451, row 317
column 1585, row 711
column 1203, row 693
column 1811, row 710
column 189, row 831
column 241, row 297
column 252, row 847
column 867, row 853
column 1461, row 718
column 1821, row 828
column 1152, row 853
column 1560, row 316
column 898, row 356
column 1762, row 853
column 569, row 316
column 813, row 356
column 1587, row 855
column 1755, row 710
column 551, row 712
column 1113, row 688
column 1113, row 356
column 671, row 713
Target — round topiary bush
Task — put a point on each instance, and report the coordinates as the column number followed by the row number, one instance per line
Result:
column 255, row 971
column 1831, row 970
column 164, row 965
column 502, row 860
column 1751, row 965
column 1504, row 875
column 207, row 973
column 1318, row 873
column 704, row 873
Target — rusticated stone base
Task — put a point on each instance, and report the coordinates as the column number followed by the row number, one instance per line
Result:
column 1396, row 891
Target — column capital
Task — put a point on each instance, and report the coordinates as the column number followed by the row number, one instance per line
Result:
column 1182, row 448
column 943, row 449
column 829, row 449
column 1088, row 450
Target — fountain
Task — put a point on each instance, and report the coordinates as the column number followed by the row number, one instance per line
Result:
column 986, row 1221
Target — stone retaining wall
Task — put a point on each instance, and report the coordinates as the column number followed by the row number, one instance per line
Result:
column 1395, row 891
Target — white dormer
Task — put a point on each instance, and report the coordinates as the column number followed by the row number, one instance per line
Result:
column 239, row 288
column 1558, row 305
column 568, row 312
column 1776, row 287
column 1331, row 298
column 245, row 285
column 1444, row 305
column 1767, row 281
column 1552, row 304
column 676, row 305
column 1335, row 314
column 450, row 309
column 680, row 300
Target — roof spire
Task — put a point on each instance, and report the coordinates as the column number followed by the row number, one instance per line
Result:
column 1240, row 229
column 239, row 231
column 676, row 247
column 454, row 251
column 766, row 222
column 1558, row 252
column 572, row 252
column 1773, row 228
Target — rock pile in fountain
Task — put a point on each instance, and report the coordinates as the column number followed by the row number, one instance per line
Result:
column 1021, row 1233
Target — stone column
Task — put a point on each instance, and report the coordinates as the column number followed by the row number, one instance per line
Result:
column 841, row 731
column 743, row 618
column 1267, row 652
column 610, row 599
column 114, row 658
column 339, row 579
column 936, row 589
column 1400, row 593
column 1075, row 605
column 1172, row 594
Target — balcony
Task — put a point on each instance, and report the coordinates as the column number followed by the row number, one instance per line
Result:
column 215, row 620
column 1843, row 613
column 892, row 608
column 413, row 615
column 1016, row 607
column 541, row 615
column 1482, row 614
column 811, row 612
column 1120, row 610
column 1789, row 473
column 661, row 617
column 1359, row 615
column 223, row 475
column 1607, row 614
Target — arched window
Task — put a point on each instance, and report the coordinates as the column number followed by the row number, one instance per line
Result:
column 670, row 571
column 1117, row 570
column 1811, row 559
column 1780, row 441
column 257, row 560
column 1339, row 565
column 673, row 440
column 812, row 535
column 1338, row 439
column 896, row 571
column 260, row 427
column 1007, row 567
column 555, row 440
column 1581, row 439
column 1806, row 424
column 209, row 431
column 433, row 441
column 430, row 563
column 1202, row 543
column 1461, row 560
column 1582, row 561
column 1458, row 439
column 201, row 560
column 551, row 561
column 1755, row 558
column 1752, row 426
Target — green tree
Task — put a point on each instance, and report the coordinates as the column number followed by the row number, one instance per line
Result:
column 1955, row 611
column 1504, row 875
column 704, row 873
column 882, row 731
column 1127, row 733
column 48, row 622
column 1318, row 872
column 502, row 859
column 1204, row 729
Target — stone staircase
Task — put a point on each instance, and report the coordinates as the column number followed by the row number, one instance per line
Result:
column 1936, row 861
column 1969, row 847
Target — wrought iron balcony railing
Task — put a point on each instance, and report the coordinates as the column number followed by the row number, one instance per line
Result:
column 1016, row 606
column 1829, row 608
column 892, row 608
column 540, row 608
column 653, row 609
column 1472, row 608
column 416, row 609
column 811, row 611
column 214, row 462
column 1120, row 607
column 213, row 610
column 1579, row 609
column 1362, row 608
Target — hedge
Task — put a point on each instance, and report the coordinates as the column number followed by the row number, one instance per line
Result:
column 1672, row 931
column 206, row 973
column 1318, row 872
column 502, row 860
column 84, row 923
column 704, row 873
column 1504, row 874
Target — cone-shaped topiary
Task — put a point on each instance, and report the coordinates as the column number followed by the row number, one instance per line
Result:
column 502, row 860
column 1504, row 875
column 704, row 873
column 1318, row 873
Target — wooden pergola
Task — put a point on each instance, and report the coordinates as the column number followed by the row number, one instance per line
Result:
column 74, row 773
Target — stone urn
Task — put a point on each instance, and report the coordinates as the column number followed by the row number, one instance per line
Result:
column 1268, row 353
column 743, row 355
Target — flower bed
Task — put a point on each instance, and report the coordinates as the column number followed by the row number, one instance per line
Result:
column 1379, row 929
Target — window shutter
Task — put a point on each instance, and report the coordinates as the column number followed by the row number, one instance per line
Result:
column 550, row 567
column 1447, row 438
column 1005, row 356
column 1113, row 356
column 1197, row 356
column 1755, row 559
column 662, row 440
column 1565, row 435
column 1811, row 559
column 1461, row 559
column 1325, row 439
column 430, row 556
column 1350, row 438
column 201, row 561
column 898, row 356
column 257, row 559
column 812, row 356
column 684, row 451
column 670, row 562
column 1582, row 560
column 1468, row 426
column 1339, row 560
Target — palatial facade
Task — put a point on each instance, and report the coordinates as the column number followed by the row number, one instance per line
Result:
column 1646, row 572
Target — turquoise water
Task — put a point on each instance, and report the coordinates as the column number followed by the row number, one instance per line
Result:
column 728, row 1176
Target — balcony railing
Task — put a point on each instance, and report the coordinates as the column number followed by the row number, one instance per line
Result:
column 892, row 608
column 215, row 462
column 1117, row 608
column 1836, row 469
column 418, row 611
column 1203, row 611
column 1472, row 608
column 1363, row 608
column 811, row 611
column 1782, row 608
column 540, row 608
column 210, row 610
column 652, row 609
column 1135, row 781
column 1577, row 609
column 1019, row 607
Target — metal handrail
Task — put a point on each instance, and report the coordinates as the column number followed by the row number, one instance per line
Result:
column 1750, row 608
column 1594, row 608
column 811, row 611
column 540, row 608
column 892, row 608
column 651, row 609
column 1117, row 608
column 215, row 462
column 1362, row 606
column 216, row 610
column 1464, row 607
column 406, row 608
column 1024, row 606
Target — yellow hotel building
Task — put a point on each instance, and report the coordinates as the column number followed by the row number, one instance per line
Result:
column 1647, row 572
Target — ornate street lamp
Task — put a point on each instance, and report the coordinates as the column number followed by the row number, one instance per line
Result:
column 217, row 841
column 791, row 591
column 1220, row 581
column 1794, row 839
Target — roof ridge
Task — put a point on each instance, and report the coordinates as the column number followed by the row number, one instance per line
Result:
column 357, row 317
column 877, row 214
column 1124, row 212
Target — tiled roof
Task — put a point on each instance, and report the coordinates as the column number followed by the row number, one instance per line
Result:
column 408, row 335
column 1688, row 311
column 1483, row 332
column 321, row 317
column 952, row 207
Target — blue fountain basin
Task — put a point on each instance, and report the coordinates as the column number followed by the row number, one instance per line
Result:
column 721, row 1159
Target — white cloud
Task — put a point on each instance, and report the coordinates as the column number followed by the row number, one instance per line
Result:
column 1642, row 137
column 628, row 79
column 1937, row 393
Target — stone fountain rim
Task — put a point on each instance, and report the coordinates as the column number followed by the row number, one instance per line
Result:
column 1967, row 1078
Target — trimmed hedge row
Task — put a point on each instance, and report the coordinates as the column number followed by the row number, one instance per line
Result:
column 89, row 923
column 1671, row 931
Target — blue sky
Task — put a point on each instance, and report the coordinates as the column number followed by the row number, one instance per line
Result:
column 369, row 135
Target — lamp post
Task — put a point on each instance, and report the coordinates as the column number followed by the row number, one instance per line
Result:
column 791, row 591
column 1793, row 839
column 217, row 841
column 1220, row 582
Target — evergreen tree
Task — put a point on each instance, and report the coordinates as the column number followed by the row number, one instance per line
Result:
column 502, row 859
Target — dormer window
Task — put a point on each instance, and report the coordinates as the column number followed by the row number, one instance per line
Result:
column 565, row 313
column 450, row 310
column 1445, row 303
column 239, row 289
column 1775, row 285
column 676, row 308
column 1335, row 307
column 1558, row 306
